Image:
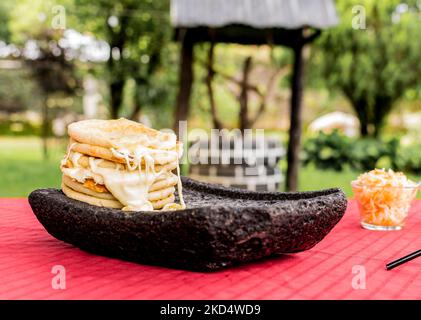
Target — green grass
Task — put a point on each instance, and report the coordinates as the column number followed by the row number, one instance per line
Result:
column 22, row 169
column 311, row 178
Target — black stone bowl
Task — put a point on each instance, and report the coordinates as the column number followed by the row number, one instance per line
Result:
column 221, row 227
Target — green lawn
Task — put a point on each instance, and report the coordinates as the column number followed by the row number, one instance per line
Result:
column 22, row 169
column 313, row 179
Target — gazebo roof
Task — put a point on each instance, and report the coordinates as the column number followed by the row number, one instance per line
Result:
column 260, row 14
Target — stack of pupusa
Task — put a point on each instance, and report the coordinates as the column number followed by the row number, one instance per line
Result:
column 122, row 164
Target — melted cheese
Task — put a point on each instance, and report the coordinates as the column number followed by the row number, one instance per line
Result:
column 129, row 186
column 77, row 172
column 66, row 157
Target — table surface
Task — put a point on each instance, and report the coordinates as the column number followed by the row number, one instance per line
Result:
column 327, row 271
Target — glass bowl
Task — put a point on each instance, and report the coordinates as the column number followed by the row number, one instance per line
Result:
column 384, row 207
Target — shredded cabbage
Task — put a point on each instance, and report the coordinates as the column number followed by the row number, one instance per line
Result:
column 384, row 197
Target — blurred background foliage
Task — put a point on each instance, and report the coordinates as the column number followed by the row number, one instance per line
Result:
column 123, row 56
column 337, row 151
column 375, row 68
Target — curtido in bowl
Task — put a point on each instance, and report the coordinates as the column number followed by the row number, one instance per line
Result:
column 384, row 198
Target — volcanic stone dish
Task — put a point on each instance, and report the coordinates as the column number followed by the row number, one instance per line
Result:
column 221, row 227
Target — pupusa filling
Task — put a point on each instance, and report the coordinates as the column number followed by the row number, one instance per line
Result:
column 129, row 183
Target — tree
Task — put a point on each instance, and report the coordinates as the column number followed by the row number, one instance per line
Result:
column 31, row 26
column 277, row 68
column 53, row 73
column 4, row 18
column 372, row 66
column 136, row 31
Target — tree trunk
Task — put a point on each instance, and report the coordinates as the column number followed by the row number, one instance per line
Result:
column 382, row 107
column 293, row 158
column 363, row 129
column 361, row 109
column 266, row 95
column 243, row 116
column 116, row 97
column 141, row 83
column 372, row 123
column 185, row 82
column 137, row 106
column 44, row 130
column 209, row 79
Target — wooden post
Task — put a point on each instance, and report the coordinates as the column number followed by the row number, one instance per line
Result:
column 45, row 127
column 243, row 99
column 295, row 120
column 209, row 79
column 185, row 80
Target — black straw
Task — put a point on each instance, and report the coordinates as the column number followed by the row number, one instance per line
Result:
column 402, row 260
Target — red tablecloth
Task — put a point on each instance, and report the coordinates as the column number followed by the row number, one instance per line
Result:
column 28, row 254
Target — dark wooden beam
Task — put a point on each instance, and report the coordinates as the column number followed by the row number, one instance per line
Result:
column 295, row 129
column 241, row 34
column 243, row 98
column 313, row 36
column 185, row 81
column 209, row 81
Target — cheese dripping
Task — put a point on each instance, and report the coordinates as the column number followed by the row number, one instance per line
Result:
column 77, row 172
column 129, row 186
column 134, row 162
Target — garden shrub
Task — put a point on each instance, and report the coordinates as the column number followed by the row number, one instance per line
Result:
column 327, row 151
column 409, row 159
column 369, row 153
column 337, row 151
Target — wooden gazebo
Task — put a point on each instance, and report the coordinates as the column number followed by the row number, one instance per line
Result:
column 290, row 23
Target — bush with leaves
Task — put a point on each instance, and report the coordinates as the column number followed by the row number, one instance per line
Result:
column 327, row 151
column 409, row 159
column 336, row 151
column 367, row 154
